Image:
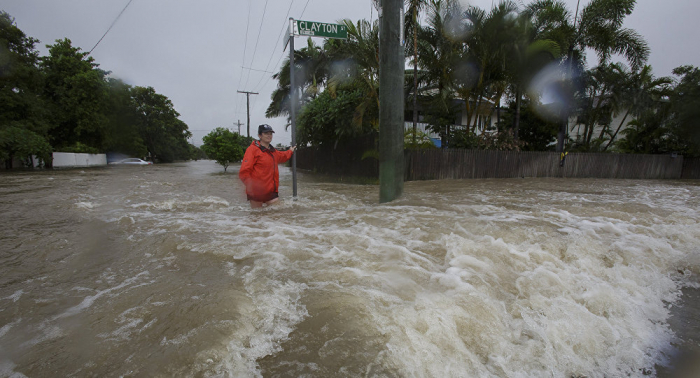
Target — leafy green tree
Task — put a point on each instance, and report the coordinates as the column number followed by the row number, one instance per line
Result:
column 23, row 126
column 358, row 69
column 163, row 133
column 22, row 143
column 330, row 120
column 223, row 146
column 666, row 124
column 75, row 93
column 490, row 38
column 598, row 27
column 536, row 133
column 122, row 131
column 527, row 54
column 412, row 25
column 640, row 91
column 685, row 108
column 417, row 141
column 333, row 67
column 311, row 73
column 196, row 153
column 438, row 55
column 601, row 87
column 647, row 134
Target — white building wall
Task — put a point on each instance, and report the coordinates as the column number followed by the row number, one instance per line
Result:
column 576, row 131
column 69, row 159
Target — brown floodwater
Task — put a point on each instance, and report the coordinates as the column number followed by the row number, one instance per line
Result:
column 164, row 270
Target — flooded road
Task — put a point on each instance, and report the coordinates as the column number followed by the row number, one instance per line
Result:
column 163, row 271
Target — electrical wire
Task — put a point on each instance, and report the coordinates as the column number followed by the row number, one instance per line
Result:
column 303, row 11
column 282, row 54
column 110, row 27
column 245, row 47
column 256, row 41
column 257, row 86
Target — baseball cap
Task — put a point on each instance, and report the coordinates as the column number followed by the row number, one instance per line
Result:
column 265, row 129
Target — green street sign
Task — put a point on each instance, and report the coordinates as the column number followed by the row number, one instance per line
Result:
column 320, row 29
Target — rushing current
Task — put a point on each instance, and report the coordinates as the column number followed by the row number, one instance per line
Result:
column 161, row 271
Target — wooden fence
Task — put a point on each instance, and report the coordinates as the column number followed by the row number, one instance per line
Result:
column 440, row 164
column 463, row 164
column 340, row 161
column 691, row 168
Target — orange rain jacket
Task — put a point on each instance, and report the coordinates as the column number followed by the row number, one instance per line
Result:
column 259, row 171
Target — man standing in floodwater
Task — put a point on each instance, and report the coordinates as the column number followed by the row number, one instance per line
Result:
column 259, row 171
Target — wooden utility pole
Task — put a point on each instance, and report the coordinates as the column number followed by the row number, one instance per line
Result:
column 247, row 97
column 239, row 126
column 391, row 103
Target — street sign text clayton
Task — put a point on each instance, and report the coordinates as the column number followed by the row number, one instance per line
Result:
column 320, row 29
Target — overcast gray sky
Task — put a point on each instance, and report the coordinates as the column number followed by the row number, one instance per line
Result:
column 193, row 51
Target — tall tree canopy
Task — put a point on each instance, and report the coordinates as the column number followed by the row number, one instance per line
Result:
column 225, row 146
column 75, row 93
column 164, row 134
column 64, row 102
column 23, row 120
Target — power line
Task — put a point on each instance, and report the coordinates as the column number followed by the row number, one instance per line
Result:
column 110, row 27
column 282, row 54
column 302, row 12
column 270, row 77
column 245, row 47
column 256, row 41
column 253, row 69
column 281, row 33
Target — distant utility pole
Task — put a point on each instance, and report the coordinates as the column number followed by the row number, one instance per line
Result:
column 391, row 104
column 239, row 126
column 247, row 98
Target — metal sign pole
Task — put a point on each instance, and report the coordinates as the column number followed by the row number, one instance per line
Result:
column 292, row 105
column 311, row 29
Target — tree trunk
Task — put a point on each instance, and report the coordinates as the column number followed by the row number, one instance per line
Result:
column 612, row 138
column 415, row 76
column 479, row 101
column 516, row 121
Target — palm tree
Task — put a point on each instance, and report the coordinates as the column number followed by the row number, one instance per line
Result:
column 528, row 53
column 356, row 63
column 603, row 84
column 489, row 37
column 312, row 72
column 412, row 26
column 599, row 27
column 438, row 54
column 643, row 91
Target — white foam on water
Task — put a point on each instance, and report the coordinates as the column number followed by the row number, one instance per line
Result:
column 89, row 300
column 85, row 205
column 16, row 296
column 199, row 203
column 514, row 280
column 7, row 327
column 274, row 312
column 131, row 323
column 45, row 331
column 7, row 370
